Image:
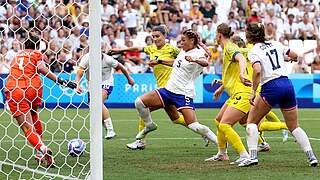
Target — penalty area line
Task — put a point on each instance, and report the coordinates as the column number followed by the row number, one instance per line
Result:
column 25, row 168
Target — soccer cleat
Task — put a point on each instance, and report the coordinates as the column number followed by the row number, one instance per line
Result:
column 264, row 147
column 313, row 162
column 138, row 144
column 110, row 134
column 248, row 162
column 39, row 157
column 218, row 157
column 146, row 130
column 238, row 161
column 49, row 158
column 285, row 135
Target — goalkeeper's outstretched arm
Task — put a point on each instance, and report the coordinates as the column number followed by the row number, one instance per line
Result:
column 46, row 72
column 125, row 72
column 79, row 75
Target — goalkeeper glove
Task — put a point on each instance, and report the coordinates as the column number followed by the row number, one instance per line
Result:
column 69, row 84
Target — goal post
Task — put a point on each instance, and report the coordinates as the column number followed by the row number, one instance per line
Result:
column 96, row 146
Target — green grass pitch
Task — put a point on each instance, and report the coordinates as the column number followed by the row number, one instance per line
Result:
column 172, row 152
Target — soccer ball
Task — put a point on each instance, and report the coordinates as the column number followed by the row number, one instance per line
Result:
column 76, row 147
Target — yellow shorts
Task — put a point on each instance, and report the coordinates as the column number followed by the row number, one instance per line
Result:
column 240, row 101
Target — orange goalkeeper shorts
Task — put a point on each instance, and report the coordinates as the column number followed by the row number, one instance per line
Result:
column 21, row 101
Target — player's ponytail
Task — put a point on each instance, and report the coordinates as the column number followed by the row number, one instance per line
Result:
column 225, row 30
column 255, row 33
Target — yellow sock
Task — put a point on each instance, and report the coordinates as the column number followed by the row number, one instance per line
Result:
column 272, row 126
column 232, row 137
column 272, row 117
column 222, row 141
column 180, row 121
column 141, row 124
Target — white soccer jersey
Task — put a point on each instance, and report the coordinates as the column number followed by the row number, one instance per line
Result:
column 108, row 64
column 271, row 57
column 184, row 73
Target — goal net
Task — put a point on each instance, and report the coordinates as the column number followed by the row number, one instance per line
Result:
column 65, row 115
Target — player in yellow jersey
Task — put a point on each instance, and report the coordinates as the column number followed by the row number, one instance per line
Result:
column 271, row 122
column 237, row 106
column 163, row 51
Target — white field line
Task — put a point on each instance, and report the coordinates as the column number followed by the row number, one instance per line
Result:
column 163, row 138
column 25, row 168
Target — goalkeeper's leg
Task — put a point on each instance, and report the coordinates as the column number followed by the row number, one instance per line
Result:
column 25, row 123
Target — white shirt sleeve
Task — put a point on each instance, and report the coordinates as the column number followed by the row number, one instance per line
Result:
column 84, row 62
column 253, row 57
column 111, row 61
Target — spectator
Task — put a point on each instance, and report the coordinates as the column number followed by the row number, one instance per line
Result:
column 254, row 16
column 208, row 10
column 306, row 29
column 233, row 22
column 4, row 63
column 173, row 26
column 85, row 27
column 208, row 33
column 195, row 14
column 106, row 10
column 292, row 9
column 16, row 46
column 153, row 21
column 162, row 12
column 275, row 7
column 270, row 32
column 131, row 19
column 260, row 7
column 291, row 29
column 234, row 8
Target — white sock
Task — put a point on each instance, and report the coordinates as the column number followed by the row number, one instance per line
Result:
column 303, row 141
column 222, row 151
column 252, row 139
column 204, row 131
column 143, row 111
column 108, row 124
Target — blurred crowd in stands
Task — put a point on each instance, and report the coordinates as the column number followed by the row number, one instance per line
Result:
column 64, row 27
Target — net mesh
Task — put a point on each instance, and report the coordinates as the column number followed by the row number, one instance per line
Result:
column 63, row 31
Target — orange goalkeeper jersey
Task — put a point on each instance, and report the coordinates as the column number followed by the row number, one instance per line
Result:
column 23, row 70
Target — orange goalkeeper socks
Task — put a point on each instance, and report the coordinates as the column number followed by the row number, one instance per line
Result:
column 37, row 124
column 34, row 139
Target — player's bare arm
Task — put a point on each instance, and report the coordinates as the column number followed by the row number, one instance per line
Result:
column 46, row 72
column 119, row 51
column 256, row 76
column 243, row 65
column 201, row 61
column 79, row 75
column 126, row 73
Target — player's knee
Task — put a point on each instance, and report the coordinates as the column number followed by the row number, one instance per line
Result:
column 139, row 104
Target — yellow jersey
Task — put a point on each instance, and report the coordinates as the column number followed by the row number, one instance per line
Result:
column 231, row 71
column 167, row 52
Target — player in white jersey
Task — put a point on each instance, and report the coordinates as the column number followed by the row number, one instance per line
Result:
column 108, row 65
column 179, row 90
column 268, row 60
